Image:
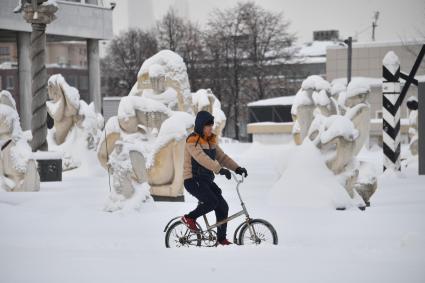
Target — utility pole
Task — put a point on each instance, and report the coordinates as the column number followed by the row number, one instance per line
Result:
column 374, row 24
column 349, row 42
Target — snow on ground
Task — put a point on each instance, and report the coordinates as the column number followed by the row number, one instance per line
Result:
column 61, row 234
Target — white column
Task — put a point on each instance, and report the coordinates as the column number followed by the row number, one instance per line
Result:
column 24, row 78
column 94, row 72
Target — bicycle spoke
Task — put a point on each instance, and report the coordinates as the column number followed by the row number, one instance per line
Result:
column 262, row 235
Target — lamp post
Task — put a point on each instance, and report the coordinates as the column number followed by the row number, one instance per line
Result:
column 349, row 42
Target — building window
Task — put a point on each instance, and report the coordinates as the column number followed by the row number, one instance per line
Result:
column 4, row 51
column 72, row 80
column 84, row 83
column 10, row 82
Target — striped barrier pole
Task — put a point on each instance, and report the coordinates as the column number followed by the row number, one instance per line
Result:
column 391, row 111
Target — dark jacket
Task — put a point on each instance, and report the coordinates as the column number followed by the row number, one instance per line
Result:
column 203, row 157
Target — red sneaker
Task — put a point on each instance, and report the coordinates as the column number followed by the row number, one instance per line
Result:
column 224, row 242
column 190, row 223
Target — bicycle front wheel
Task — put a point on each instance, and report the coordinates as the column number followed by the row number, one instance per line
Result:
column 257, row 232
column 178, row 236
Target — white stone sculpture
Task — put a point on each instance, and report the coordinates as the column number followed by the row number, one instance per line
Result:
column 314, row 94
column 339, row 128
column 150, row 138
column 204, row 99
column 77, row 126
column 145, row 142
column 163, row 77
column 18, row 170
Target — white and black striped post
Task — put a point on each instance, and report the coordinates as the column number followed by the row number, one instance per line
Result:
column 391, row 111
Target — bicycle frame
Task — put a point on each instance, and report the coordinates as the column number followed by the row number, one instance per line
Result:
column 244, row 211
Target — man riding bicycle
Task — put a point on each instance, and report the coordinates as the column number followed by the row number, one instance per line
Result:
column 202, row 159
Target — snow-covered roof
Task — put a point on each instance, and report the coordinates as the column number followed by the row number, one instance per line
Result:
column 315, row 48
column 379, row 44
column 282, row 100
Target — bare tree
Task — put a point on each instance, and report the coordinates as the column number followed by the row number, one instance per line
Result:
column 170, row 31
column 268, row 41
column 125, row 54
column 244, row 41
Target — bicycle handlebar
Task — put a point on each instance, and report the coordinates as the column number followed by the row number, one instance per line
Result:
column 236, row 178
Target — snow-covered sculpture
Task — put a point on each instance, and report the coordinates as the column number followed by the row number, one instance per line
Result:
column 163, row 77
column 205, row 100
column 412, row 104
column 18, row 170
column 74, row 122
column 314, row 94
column 340, row 128
column 145, row 143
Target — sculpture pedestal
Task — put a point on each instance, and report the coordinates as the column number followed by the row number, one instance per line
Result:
column 49, row 166
column 167, row 198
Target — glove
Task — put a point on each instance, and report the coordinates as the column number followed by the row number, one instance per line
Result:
column 241, row 170
column 226, row 172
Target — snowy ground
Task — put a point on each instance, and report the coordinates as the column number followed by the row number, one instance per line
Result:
column 62, row 234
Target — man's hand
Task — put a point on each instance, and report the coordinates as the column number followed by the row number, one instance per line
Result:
column 241, row 170
column 226, row 172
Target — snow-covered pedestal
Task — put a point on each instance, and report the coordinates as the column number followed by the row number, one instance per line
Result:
column 49, row 165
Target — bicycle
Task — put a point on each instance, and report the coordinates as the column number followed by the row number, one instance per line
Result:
column 251, row 231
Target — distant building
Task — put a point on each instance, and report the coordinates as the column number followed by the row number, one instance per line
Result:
column 133, row 14
column 78, row 23
column 68, row 58
column 326, row 35
column 367, row 58
column 367, row 63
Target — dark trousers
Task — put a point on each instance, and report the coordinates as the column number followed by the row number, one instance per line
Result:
column 209, row 195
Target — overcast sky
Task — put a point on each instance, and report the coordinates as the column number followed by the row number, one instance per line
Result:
column 399, row 19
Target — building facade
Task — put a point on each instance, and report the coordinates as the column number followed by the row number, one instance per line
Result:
column 79, row 23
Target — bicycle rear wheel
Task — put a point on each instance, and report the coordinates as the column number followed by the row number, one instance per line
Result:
column 178, row 235
column 262, row 232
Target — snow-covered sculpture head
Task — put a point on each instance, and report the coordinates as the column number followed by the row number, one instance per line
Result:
column 157, row 78
column 18, row 170
column 314, row 94
column 205, row 100
column 164, row 77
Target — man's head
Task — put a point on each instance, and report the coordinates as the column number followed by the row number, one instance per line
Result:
column 204, row 123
